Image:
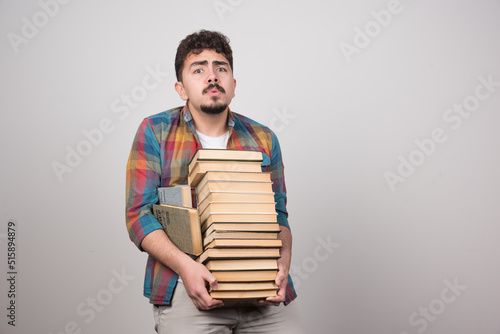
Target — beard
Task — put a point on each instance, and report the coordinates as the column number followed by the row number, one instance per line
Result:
column 214, row 108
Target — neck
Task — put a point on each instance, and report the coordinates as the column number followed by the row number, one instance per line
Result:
column 209, row 125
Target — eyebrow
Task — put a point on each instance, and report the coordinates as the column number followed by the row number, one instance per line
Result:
column 204, row 63
column 218, row 62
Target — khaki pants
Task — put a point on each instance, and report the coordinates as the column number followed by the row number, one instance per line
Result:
column 181, row 316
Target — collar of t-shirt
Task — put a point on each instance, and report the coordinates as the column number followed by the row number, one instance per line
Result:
column 213, row 142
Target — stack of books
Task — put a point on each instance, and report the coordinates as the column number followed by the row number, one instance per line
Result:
column 238, row 223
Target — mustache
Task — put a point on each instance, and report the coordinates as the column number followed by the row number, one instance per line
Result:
column 211, row 86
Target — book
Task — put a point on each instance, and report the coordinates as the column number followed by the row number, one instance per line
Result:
column 239, row 264
column 238, row 253
column 182, row 226
column 234, row 196
column 254, row 243
column 238, row 235
column 251, row 294
column 237, row 207
column 240, row 186
column 225, row 217
column 235, row 176
column 245, row 275
column 225, row 155
column 239, row 218
column 241, row 227
column 245, row 286
column 242, row 302
column 198, row 170
column 177, row 195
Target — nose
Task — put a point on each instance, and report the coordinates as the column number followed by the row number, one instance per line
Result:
column 212, row 77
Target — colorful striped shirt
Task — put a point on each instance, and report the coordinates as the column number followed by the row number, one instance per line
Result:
column 160, row 154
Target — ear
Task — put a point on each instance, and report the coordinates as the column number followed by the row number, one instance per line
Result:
column 234, row 88
column 179, row 88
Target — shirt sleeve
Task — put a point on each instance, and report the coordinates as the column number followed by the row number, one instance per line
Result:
column 278, row 177
column 143, row 178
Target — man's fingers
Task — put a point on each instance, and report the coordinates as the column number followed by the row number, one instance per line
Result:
column 214, row 284
column 211, row 279
column 280, row 278
column 279, row 298
column 203, row 301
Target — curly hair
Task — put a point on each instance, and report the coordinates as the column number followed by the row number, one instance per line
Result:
column 199, row 41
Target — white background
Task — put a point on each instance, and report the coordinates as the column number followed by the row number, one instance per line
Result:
column 344, row 121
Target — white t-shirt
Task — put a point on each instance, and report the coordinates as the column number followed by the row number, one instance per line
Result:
column 211, row 142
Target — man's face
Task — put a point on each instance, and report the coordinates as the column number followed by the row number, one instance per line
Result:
column 207, row 82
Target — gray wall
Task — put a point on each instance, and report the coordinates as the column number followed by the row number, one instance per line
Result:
column 387, row 113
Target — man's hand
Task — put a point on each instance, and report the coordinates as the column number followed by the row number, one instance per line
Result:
column 194, row 275
column 282, row 282
column 283, row 268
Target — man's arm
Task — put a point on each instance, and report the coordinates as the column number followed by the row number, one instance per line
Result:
column 283, row 268
column 277, row 175
column 193, row 274
column 143, row 178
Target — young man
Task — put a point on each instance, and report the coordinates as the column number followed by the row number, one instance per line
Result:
column 160, row 154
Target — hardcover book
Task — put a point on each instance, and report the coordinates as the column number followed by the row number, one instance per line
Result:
column 236, row 207
column 245, row 264
column 238, row 186
column 234, row 196
column 182, row 226
column 225, row 155
column 239, row 253
column 198, row 170
column 215, row 176
column 177, row 195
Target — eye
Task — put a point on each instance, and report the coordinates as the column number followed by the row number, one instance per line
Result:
column 198, row 70
column 221, row 69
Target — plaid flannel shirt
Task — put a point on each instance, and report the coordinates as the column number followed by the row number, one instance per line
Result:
column 160, row 154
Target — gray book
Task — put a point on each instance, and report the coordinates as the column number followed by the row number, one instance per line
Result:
column 177, row 195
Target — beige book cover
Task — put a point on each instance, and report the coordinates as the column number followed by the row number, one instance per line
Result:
column 237, row 207
column 243, row 294
column 198, row 170
column 245, row 275
column 238, row 235
column 234, row 196
column 241, row 227
column 239, row 253
column 268, row 217
column 245, row 286
column 238, row 186
column 225, row 155
column 235, row 176
column 253, row 243
column 242, row 264
column 182, row 226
